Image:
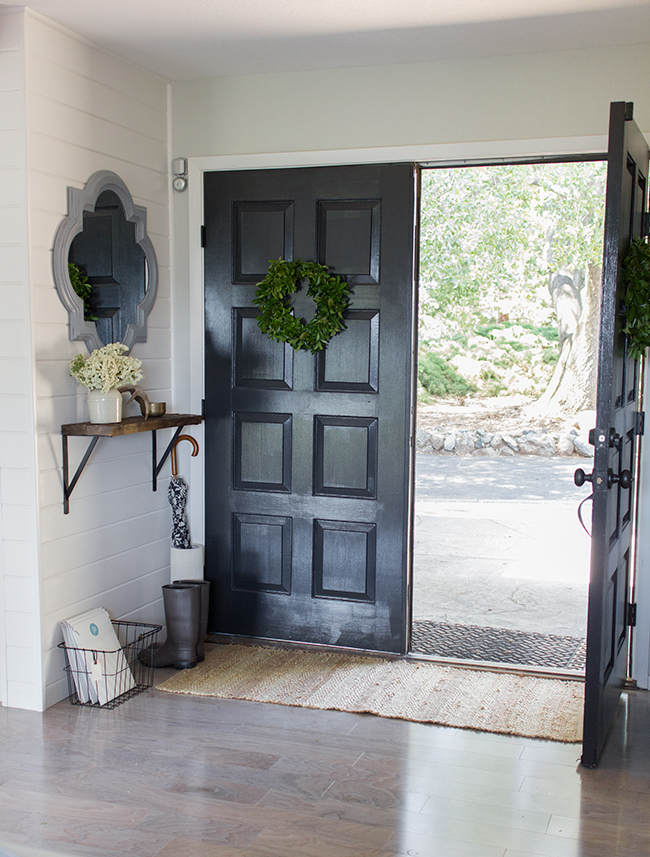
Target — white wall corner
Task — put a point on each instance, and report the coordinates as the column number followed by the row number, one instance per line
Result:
column 20, row 636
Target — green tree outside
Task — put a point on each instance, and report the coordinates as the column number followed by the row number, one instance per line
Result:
column 512, row 244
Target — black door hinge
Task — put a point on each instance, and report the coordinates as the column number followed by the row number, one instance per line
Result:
column 631, row 615
column 203, row 408
column 640, row 422
column 203, row 236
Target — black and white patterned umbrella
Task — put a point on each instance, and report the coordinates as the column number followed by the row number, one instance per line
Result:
column 177, row 495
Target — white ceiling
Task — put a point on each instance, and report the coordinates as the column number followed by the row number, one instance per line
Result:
column 184, row 39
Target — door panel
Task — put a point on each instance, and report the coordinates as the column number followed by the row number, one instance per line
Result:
column 350, row 363
column 307, row 456
column 615, row 441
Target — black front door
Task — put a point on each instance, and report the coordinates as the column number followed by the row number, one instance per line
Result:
column 615, row 440
column 307, row 457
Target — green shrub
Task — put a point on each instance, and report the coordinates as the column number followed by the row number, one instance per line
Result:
column 440, row 378
column 460, row 339
column 486, row 330
column 548, row 331
column 505, row 362
column 492, row 384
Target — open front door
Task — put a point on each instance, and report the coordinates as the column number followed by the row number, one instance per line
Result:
column 615, row 440
column 307, row 457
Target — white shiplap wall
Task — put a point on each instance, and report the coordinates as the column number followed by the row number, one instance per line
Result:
column 87, row 110
column 20, row 645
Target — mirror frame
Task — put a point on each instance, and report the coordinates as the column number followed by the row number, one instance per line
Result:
column 84, row 199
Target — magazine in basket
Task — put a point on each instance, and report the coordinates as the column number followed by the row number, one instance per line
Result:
column 99, row 667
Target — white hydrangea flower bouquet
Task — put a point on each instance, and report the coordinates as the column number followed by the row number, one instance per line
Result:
column 107, row 368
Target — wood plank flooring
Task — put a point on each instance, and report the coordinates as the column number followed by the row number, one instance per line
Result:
column 179, row 776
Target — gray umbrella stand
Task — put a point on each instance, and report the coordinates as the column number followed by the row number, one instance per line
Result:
column 182, row 602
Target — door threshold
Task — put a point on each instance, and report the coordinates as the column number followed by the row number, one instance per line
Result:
column 487, row 666
column 465, row 642
column 494, row 666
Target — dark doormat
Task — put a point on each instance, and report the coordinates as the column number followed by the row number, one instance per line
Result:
column 499, row 645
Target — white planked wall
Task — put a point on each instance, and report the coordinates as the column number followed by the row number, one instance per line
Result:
column 20, row 648
column 88, row 110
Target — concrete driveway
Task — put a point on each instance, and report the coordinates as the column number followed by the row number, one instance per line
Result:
column 498, row 543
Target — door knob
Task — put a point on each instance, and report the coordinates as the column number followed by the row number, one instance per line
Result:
column 624, row 478
column 580, row 477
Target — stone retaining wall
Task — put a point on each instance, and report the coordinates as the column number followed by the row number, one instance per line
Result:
column 445, row 441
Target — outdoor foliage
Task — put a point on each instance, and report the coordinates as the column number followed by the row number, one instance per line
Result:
column 491, row 236
column 548, row 331
column 439, row 378
column 501, row 247
column 493, row 360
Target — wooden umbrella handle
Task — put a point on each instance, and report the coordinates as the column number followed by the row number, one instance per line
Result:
column 195, row 450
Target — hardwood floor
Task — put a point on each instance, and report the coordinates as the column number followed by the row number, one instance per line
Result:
column 178, row 776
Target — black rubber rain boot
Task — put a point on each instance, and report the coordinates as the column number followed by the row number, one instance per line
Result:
column 183, row 619
column 204, row 591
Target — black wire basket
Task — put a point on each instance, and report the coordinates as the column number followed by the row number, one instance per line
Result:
column 100, row 679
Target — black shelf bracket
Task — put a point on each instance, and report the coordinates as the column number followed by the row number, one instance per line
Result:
column 157, row 467
column 68, row 487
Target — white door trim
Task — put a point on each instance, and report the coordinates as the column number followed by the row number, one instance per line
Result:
column 641, row 632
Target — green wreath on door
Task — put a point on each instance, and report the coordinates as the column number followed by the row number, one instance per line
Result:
column 636, row 276
column 276, row 318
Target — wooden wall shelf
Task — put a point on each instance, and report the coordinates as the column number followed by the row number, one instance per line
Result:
column 129, row 425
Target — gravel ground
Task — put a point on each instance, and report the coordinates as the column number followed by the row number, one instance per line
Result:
column 497, row 415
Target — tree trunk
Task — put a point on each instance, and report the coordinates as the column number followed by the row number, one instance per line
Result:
column 576, row 299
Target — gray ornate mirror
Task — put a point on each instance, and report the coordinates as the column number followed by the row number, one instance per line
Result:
column 104, row 236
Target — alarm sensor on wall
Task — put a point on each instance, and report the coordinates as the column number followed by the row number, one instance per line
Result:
column 179, row 171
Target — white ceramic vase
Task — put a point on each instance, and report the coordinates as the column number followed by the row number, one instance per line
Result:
column 104, row 407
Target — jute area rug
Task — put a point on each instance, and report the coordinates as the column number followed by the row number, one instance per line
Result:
column 405, row 689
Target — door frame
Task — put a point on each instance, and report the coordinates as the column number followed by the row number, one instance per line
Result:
column 187, row 295
column 641, row 632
